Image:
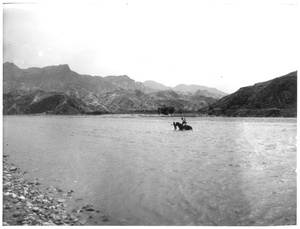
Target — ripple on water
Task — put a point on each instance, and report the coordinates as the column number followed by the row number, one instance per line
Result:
column 225, row 172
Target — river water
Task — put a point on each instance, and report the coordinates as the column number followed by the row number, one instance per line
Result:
column 140, row 171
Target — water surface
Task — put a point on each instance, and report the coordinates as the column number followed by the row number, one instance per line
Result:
column 139, row 171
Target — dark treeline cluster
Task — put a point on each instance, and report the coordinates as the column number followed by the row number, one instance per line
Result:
column 165, row 110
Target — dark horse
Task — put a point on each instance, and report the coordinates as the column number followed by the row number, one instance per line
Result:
column 182, row 127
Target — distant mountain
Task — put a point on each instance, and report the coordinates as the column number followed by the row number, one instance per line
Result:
column 34, row 102
column 277, row 97
column 187, row 89
column 155, row 86
column 126, row 83
column 194, row 88
column 206, row 93
column 52, row 79
column 59, row 90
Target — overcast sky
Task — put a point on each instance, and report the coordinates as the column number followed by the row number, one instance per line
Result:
column 222, row 44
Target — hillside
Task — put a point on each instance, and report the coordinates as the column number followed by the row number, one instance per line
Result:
column 194, row 88
column 59, row 90
column 35, row 102
column 187, row 89
column 277, row 97
column 52, row 79
column 155, row 86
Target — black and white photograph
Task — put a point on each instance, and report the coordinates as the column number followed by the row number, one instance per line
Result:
column 149, row 113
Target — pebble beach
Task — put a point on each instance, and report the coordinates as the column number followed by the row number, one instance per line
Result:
column 29, row 203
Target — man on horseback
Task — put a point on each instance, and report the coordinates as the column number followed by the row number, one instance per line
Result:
column 183, row 121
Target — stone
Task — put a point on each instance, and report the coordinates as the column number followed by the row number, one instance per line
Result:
column 74, row 210
column 74, row 219
column 6, row 194
column 35, row 209
column 22, row 198
column 90, row 209
column 49, row 223
column 105, row 219
column 55, row 217
column 14, row 195
column 61, row 200
column 28, row 204
column 7, row 206
column 7, row 184
column 16, row 214
column 45, row 201
column 13, row 169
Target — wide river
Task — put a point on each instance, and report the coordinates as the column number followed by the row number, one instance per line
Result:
column 140, row 171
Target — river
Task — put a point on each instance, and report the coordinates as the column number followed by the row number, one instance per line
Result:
column 140, row 171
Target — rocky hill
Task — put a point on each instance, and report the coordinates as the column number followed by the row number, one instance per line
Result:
column 277, row 97
column 59, row 90
column 213, row 92
column 33, row 102
column 187, row 89
column 156, row 86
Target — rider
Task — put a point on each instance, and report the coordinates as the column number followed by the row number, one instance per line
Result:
column 183, row 121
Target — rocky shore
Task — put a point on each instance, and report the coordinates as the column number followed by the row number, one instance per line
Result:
column 27, row 203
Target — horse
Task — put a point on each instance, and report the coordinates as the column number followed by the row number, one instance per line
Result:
column 182, row 127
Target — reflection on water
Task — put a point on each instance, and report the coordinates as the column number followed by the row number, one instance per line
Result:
column 227, row 171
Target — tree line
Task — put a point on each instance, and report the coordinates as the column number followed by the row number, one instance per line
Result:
column 165, row 110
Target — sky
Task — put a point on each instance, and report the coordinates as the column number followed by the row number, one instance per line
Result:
column 225, row 44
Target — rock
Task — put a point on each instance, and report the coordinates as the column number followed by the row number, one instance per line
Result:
column 88, row 207
column 28, row 204
column 5, row 224
column 7, row 206
column 61, row 200
column 73, row 218
column 49, row 223
column 22, row 198
column 16, row 214
column 105, row 219
column 74, row 210
column 19, row 214
column 55, row 217
column 46, row 201
column 6, row 194
column 7, row 184
column 14, row 195
column 13, row 169
column 35, row 209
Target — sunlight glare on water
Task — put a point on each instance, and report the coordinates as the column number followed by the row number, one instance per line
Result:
column 139, row 171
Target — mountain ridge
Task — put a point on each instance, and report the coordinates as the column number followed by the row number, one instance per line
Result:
column 276, row 97
column 59, row 90
column 95, row 92
column 186, row 88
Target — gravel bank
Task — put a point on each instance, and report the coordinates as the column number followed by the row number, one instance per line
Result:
column 26, row 203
